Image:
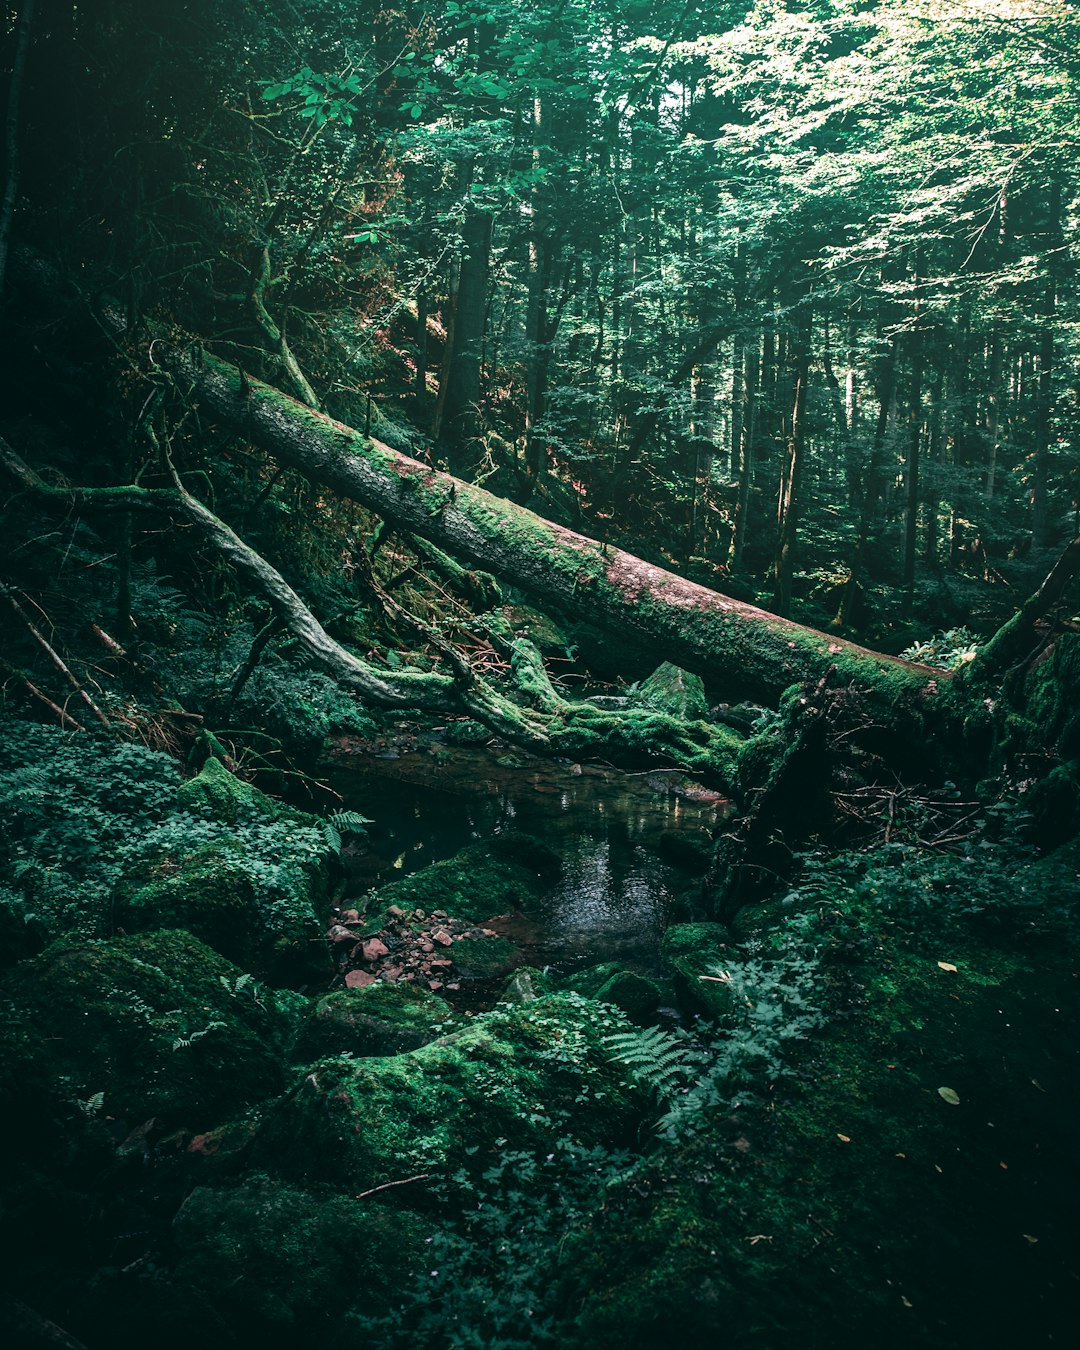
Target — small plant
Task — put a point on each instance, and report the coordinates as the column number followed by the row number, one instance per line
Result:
column 948, row 650
column 184, row 1042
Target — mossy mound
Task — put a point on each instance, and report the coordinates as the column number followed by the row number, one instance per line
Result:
column 505, row 872
column 159, row 1024
column 1052, row 697
column 691, row 954
column 758, row 758
column 674, row 691
column 591, row 980
column 209, row 893
column 217, row 793
column 637, row 995
column 912, row 1185
column 485, row 958
column 214, row 893
column 282, row 1262
column 634, row 994
column 380, row 1019
column 513, row 1076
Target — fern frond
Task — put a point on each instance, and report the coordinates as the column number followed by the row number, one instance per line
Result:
column 655, row 1058
column 349, row 822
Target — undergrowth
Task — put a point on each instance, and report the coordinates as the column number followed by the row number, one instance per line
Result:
column 79, row 811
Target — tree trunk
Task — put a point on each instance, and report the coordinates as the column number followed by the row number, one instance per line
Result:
column 743, row 649
column 457, row 419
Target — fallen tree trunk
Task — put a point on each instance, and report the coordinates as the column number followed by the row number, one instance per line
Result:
column 744, row 650
column 539, row 717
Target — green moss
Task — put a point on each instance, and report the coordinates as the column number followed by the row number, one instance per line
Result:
column 210, row 895
column 591, row 980
column 217, row 793
column 673, row 691
column 757, row 760
column 380, row 1019
column 690, row 953
column 214, row 894
column 279, row 1260
column 112, row 1012
column 1052, row 697
column 506, row 872
column 512, row 1076
column 857, row 1201
column 637, row 996
column 525, row 985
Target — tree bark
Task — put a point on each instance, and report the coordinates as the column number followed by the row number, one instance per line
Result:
column 745, row 650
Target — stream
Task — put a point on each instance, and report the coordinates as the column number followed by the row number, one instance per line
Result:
column 427, row 800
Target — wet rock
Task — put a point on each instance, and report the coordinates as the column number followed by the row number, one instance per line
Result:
column 525, row 985
column 373, row 948
column 358, row 979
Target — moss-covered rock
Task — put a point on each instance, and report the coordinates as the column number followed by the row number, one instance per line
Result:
column 525, row 985
column 275, row 1260
column 217, row 793
column 911, row 1184
column 209, row 893
column 591, row 980
column 758, row 759
column 508, row 871
column 514, row 1076
column 159, row 1024
column 484, row 958
column 637, row 995
column 215, row 894
column 1052, row 697
column 673, row 691
column 379, row 1019
column 691, row 953
column 634, row 994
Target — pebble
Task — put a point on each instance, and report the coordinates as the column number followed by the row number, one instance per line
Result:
column 442, row 937
column 374, row 948
column 357, row 979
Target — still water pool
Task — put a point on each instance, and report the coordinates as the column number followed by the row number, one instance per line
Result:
column 619, row 879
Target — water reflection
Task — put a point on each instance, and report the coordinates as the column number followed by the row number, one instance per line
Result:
column 611, row 900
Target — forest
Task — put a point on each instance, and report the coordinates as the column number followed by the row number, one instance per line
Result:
column 540, row 674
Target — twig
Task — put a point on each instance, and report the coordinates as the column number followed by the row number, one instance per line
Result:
column 53, row 655
column 388, row 1185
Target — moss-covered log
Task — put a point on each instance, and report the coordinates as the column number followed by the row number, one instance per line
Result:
column 743, row 649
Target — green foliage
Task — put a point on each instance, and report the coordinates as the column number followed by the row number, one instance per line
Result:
column 948, row 650
column 656, row 1058
column 82, row 812
column 491, row 1279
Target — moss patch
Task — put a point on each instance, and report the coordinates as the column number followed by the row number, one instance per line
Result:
column 112, row 1012
column 506, row 872
column 381, row 1019
column 275, row 1259
column 690, row 953
column 515, row 1075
